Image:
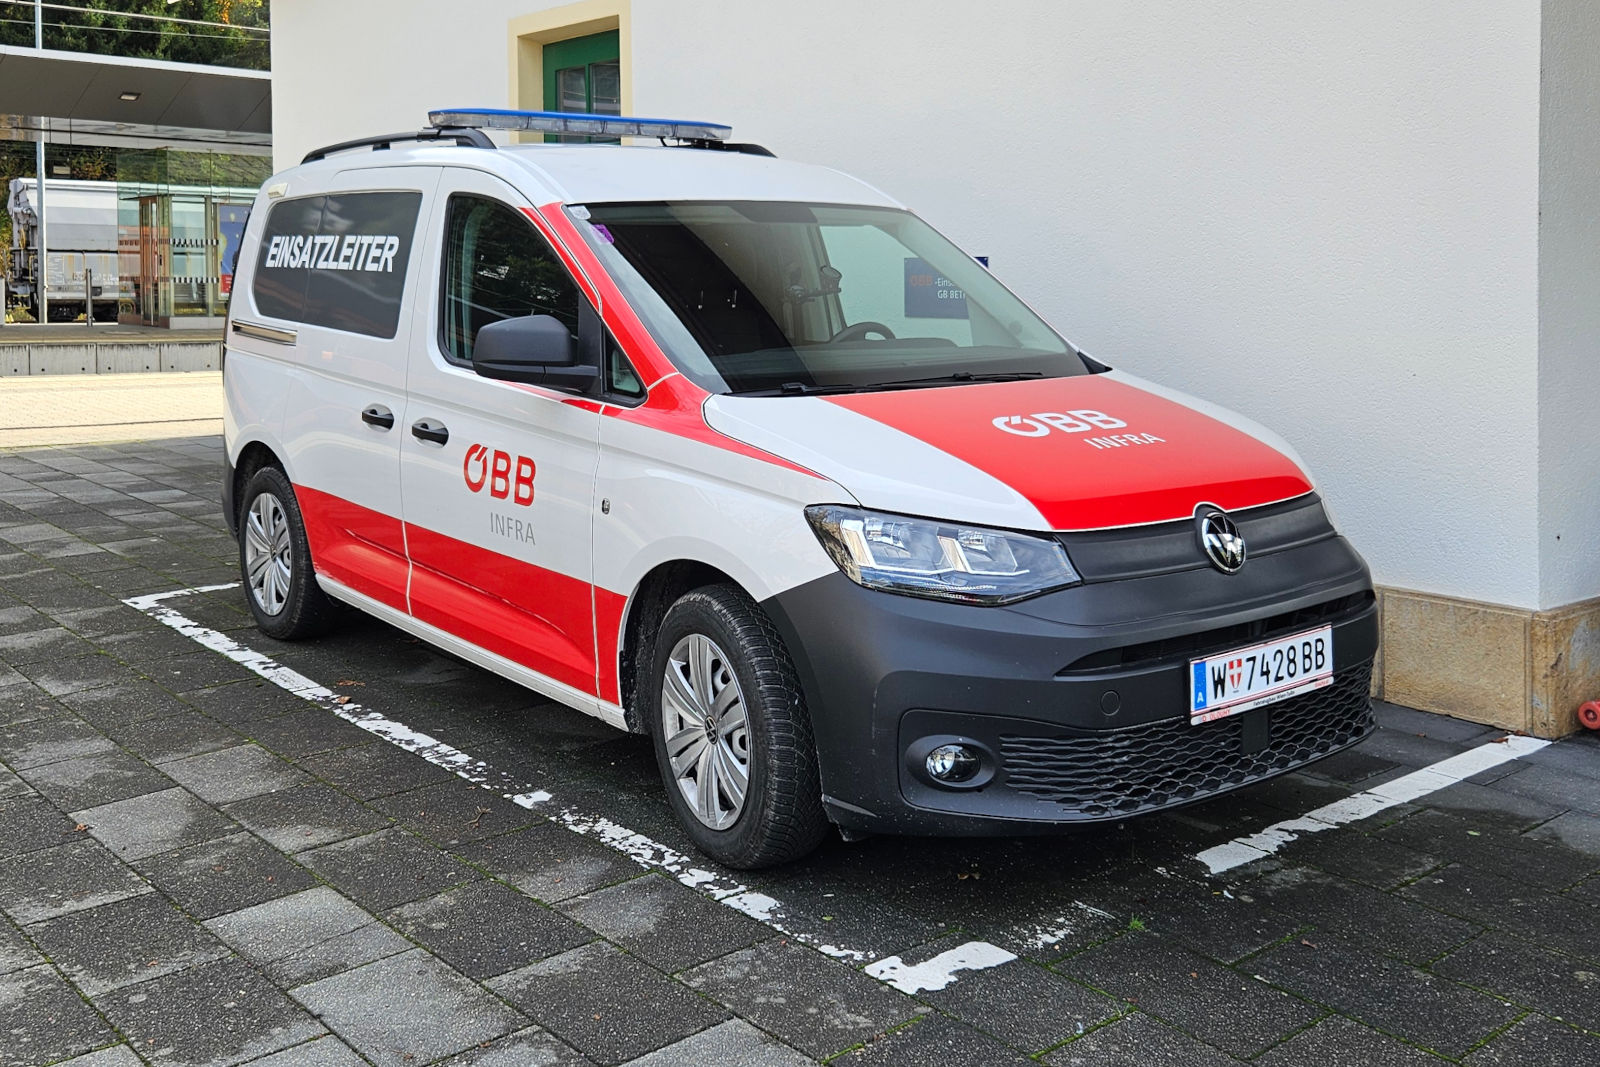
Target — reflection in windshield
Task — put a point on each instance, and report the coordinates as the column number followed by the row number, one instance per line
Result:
column 764, row 297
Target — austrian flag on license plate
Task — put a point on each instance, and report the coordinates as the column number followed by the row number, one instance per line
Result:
column 1246, row 678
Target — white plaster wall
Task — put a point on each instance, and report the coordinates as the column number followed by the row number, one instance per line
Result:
column 1569, row 305
column 1324, row 215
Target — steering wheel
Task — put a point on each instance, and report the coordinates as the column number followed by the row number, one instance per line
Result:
column 857, row 331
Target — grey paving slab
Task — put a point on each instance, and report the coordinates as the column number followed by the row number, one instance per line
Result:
column 12, row 786
column 607, row 1005
column 304, row 733
column 1558, row 787
column 1494, row 803
column 214, row 1015
column 62, row 676
column 932, row 1039
column 665, row 923
column 223, row 875
column 40, row 646
column 1537, row 1042
column 234, row 773
column 42, row 741
column 1139, row 1040
column 155, row 822
column 1224, row 928
column 103, row 621
column 455, row 812
column 843, row 1007
column 1550, row 983
column 1574, row 830
column 1217, row 1005
column 1340, row 1042
column 124, row 943
column 1021, row 1003
column 549, row 862
column 244, row 702
column 1362, row 857
column 532, row 1047
column 1423, row 1008
column 387, row 868
column 171, row 737
column 321, row 1052
column 487, row 928
column 22, row 702
column 305, row 817
column 57, row 881
column 1565, row 923
column 307, row 936
column 45, row 1020
column 1493, row 847
column 1333, row 907
column 734, row 1043
column 133, row 700
column 365, row 771
column 408, row 1009
column 115, row 1056
column 89, row 781
column 29, row 823
column 15, row 952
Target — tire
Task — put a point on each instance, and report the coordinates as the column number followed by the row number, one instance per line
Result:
column 283, row 595
column 719, row 635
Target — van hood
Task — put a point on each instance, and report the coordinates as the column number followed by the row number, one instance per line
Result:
column 1082, row 453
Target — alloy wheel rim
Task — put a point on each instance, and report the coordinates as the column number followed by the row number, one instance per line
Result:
column 707, row 731
column 267, row 562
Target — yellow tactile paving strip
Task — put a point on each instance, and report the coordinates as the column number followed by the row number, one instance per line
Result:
column 83, row 408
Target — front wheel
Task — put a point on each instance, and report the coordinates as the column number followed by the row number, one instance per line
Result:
column 275, row 561
column 732, row 736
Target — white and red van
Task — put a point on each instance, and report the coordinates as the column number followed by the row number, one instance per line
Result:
column 741, row 454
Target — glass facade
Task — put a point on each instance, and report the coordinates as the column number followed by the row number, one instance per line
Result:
column 180, row 216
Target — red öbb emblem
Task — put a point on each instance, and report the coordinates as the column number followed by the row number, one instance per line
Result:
column 507, row 477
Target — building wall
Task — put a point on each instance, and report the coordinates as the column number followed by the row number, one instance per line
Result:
column 1325, row 216
column 1569, row 305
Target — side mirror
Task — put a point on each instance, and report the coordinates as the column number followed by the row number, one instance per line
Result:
column 536, row 349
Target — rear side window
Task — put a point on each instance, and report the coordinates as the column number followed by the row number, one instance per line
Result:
column 497, row 266
column 338, row 260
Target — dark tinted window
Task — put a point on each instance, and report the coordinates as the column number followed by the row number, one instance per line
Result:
column 497, row 266
column 338, row 260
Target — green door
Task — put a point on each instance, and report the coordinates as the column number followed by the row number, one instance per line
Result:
column 583, row 74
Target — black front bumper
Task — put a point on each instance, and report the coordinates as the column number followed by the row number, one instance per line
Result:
column 1079, row 698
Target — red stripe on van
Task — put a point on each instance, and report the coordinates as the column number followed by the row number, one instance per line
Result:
column 356, row 546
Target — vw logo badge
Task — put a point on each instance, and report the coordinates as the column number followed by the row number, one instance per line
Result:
column 1219, row 536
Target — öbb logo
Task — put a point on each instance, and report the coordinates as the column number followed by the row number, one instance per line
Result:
column 505, row 475
column 1041, row 423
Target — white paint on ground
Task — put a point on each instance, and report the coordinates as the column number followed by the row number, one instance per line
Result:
column 641, row 849
column 940, row 971
column 1402, row 790
column 1052, row 931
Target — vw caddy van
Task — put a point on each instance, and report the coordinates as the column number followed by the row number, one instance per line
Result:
column 740, row 454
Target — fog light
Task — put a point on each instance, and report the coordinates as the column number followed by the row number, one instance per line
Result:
column 952, row 763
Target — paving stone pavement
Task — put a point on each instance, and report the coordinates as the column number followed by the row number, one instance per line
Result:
column 199, row 868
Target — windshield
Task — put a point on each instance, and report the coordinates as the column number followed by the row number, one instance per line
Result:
column 759, row 297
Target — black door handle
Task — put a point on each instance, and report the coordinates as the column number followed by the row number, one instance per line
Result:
column 428, row 430
column 379, row 416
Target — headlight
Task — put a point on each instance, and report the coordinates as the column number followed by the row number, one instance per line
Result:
column 941, row 560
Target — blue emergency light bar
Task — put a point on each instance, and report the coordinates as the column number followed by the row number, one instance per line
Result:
column 577, row 122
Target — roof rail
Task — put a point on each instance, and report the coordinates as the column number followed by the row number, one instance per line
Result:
column 573, row 122
column 461, row 135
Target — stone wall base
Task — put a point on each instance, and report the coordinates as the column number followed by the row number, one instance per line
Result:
column 1508, row 667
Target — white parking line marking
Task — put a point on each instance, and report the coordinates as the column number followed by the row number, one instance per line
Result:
column 940, row 971
column 641, row 849
column 1402, row 790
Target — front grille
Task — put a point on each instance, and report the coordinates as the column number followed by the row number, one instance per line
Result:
column 1148, row 767
column 1193, row 646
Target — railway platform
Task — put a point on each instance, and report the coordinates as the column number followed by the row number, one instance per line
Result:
column 74, row 348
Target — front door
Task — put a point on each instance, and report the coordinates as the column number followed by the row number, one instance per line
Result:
column 498, row 478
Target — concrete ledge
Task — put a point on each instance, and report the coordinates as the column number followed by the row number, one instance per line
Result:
column 112, row 356
column 1507, row 667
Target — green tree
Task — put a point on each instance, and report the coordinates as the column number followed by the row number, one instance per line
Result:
column 104, row 27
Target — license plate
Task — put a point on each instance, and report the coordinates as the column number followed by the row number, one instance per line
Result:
column 1234, row 682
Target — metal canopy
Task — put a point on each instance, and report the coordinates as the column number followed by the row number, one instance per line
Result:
column 72, row 85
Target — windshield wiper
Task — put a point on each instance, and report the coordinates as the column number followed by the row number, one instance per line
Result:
column 960, row 377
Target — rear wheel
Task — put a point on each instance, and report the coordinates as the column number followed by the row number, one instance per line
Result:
column 275, row 561
column 732, row 736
